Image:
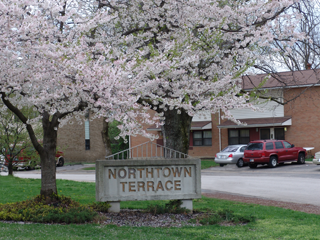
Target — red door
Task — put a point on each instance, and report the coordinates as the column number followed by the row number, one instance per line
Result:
column 280, row 151
column 290, row 152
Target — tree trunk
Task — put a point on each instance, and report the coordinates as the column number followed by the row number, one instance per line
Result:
column 47, row 157
column 47, row 152
column 105, row 137
column 10, row 167
column 176, row 130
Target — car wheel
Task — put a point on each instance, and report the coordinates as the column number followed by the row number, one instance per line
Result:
column 60, row 162
column 240, row 163
column 301, row 158
column 273, row 162
column 253, row 165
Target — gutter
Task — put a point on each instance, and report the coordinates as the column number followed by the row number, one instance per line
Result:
column 219, row 131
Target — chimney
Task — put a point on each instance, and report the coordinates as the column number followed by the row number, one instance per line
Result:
column 309, row 66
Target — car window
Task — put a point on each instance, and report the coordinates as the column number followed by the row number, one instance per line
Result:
column 269, row 146
column 230, row 149
column 255, row 146
column 243, row 148
column 278, row 145
column 286, row 144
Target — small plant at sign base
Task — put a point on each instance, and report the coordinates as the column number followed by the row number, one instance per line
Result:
column 173, row 206
column 100, row 206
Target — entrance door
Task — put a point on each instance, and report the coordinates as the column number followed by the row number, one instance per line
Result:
column 265, row 133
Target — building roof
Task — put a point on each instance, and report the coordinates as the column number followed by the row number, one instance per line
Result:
column 283, row 79
column 258, row 122
column 199, row 125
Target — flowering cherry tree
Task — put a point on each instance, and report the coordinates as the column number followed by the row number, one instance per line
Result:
column 50, row 64
column 121, row 58
column 190, row 55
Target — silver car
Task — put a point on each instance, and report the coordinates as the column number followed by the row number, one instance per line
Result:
column 316, row 159
column 233, row 154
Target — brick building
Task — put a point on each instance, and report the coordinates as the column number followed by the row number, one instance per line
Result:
column 82, row 142
column 297, row 121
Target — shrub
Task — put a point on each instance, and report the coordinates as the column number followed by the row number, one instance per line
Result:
column 212, row 218
column 61, row 210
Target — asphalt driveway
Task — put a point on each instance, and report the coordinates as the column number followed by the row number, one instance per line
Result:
column 289, row 182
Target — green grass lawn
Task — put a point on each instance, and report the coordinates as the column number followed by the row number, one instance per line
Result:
column 89, row 168
column 208, row 163
column 272, row 222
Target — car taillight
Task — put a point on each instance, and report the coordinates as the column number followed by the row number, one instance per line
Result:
column 230, row 155
column 216, row 156
column 263, row 154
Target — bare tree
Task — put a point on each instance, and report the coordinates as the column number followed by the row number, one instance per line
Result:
column 303, row 54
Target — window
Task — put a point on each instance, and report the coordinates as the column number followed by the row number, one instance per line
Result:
column 230, row 149
column 255, row 146
column 279, row 133
column 234, row 137
column 243, row 148
column 269, row 146
column 87, row 144
column 239, row 136
column 87, row 131
column 278, row 145
column 202, row 138
column 264, row 133
column 286, row 144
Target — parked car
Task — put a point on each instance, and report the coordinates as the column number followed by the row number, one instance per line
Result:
column 233, row 154
column 25, row 160
column 2, row 167
column 272, row 152
column 316, row 159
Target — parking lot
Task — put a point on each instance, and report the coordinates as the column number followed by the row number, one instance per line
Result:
column 288, row 182
column 307, row 170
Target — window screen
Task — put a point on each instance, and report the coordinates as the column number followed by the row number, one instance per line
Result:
column 239, row 136
column 202, row 138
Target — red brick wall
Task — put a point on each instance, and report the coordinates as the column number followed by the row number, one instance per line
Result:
column 305, row 113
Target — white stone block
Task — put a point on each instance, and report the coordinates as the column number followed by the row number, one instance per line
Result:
column 115, row 207
column 187, row 203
